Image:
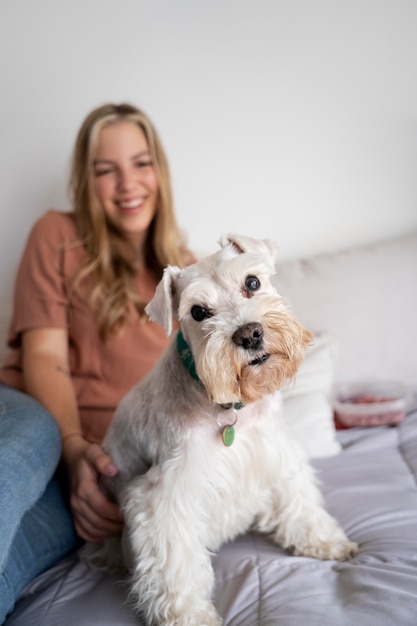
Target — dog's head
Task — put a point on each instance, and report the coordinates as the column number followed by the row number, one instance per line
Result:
column 244, row 341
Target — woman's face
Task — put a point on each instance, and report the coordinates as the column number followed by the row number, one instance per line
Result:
column 125, row 179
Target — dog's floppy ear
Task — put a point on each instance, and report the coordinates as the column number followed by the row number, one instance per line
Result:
column 162, row 308
column 250, row 244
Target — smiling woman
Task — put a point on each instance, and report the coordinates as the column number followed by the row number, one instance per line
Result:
column 122, row 198
column 79, row 340
column 125, row 179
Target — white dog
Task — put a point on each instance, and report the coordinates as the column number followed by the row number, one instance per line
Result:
column 202, row 456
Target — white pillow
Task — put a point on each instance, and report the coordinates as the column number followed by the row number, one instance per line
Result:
column 366, row 297
column 307, row 408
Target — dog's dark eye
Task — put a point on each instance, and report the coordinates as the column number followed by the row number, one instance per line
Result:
column 199, row 313
column 252, row 283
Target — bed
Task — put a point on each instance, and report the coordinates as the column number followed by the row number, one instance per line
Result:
column 361, row 305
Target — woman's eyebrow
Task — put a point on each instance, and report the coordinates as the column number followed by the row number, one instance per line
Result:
column 141, row 154
column 132, row 158
column 98, row 161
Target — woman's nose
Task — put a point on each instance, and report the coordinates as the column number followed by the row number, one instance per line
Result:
column 127, row 179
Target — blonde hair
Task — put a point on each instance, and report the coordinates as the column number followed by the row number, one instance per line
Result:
column 110, row 260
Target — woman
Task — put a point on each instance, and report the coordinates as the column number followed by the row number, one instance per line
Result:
column 80, row 340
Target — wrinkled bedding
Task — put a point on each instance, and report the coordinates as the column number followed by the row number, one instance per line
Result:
column 370, row 487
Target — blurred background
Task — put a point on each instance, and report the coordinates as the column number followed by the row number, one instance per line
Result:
column 289, row 119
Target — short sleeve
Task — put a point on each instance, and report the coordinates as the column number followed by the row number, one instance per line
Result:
column 40, row 298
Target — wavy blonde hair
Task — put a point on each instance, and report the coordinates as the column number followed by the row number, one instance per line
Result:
column 110, row 261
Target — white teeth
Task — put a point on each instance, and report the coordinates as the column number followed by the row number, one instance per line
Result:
column 132, row 204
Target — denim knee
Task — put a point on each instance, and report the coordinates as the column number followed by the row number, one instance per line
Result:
column 29, row 427
column 30, row 449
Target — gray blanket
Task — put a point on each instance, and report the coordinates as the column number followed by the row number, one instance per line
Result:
column 370, row 487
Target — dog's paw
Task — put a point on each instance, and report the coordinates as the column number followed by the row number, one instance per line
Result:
column 338, row 550
column 207, row 617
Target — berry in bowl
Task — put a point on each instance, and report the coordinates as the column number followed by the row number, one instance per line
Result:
column 369, row 403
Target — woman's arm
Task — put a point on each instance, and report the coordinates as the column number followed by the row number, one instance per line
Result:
column 47, row 378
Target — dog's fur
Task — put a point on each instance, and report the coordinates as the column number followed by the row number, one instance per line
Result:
column 183, row 492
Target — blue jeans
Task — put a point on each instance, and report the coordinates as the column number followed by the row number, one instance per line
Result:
column 36, row 527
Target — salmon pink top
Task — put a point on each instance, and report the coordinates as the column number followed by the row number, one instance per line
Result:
column 102, row 372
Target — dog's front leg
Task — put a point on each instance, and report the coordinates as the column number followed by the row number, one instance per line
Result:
column 296, row 518
column 172, row 575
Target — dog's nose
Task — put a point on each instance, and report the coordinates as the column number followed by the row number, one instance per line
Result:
column 249, row 336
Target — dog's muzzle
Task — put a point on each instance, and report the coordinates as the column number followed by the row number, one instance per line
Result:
column 250, row 337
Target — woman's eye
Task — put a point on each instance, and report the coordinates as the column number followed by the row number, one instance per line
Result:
column 102, row 172
column 142, row 164
column 200, row 313
column 252, row 283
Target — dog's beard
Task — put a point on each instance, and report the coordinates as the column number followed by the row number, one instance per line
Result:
column 285, row 341
column 233, row 374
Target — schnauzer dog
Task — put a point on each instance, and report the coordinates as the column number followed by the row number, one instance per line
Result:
column 201, row 452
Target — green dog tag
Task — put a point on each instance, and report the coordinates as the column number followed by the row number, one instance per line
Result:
column 228, row 435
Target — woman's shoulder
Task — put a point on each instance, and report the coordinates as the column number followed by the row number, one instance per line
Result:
column 57, row 221
column 52, row 235
column 53, row 228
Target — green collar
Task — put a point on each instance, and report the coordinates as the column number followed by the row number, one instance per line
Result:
column 187, row 358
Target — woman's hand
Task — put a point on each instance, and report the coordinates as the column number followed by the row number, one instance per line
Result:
column 47, row 378
column 95, row 517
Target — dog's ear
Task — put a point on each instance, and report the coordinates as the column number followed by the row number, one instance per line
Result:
column 162, row 308
column 242, row 244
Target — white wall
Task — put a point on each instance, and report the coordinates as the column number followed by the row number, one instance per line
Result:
column 290, row 119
